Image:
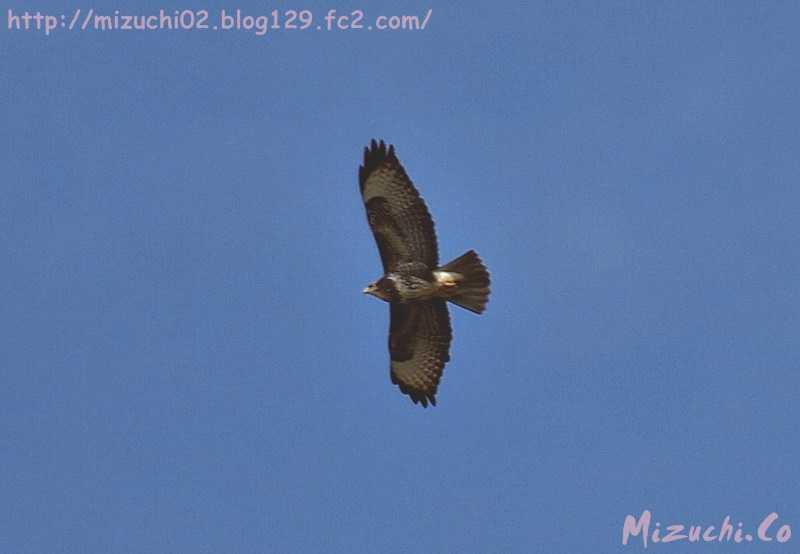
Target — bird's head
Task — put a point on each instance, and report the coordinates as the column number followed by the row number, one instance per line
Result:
column 384, row 288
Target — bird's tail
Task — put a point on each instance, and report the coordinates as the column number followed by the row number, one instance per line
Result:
column 465, row 282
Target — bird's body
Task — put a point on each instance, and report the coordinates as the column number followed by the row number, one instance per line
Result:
column 414, row 282
column 416, row 288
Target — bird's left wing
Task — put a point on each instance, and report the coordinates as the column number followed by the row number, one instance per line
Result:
column 398, row 217
column 419, row 346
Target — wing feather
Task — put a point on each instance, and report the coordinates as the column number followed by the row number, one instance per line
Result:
column 419, row 347
column 397, row 215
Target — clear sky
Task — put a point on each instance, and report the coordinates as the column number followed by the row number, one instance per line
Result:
column 188, row 363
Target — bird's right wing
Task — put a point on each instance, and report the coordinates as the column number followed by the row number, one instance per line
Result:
column 419, row 346
column 397, row 215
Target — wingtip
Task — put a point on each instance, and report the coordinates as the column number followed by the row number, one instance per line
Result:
column 424, row 399
column 375, row 154
column 416, row 396
column 380, row 146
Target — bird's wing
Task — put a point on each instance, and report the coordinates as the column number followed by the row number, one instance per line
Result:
column 419, row 345
column 397, row 215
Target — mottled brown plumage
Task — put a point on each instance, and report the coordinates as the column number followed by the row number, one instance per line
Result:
column 413, row 283
column 398, row 217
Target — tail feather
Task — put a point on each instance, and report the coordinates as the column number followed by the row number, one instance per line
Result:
column 471, row 287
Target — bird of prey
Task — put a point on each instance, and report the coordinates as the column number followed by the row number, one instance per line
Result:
column 415, row 286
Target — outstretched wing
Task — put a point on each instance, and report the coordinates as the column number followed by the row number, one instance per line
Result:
column 419, row 346
column 397, row 215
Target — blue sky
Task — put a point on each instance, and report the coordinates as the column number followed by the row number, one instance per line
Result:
column 188, row 363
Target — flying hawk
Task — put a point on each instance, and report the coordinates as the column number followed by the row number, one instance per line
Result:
column 416, row 288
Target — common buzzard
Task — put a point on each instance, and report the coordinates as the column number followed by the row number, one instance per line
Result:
column 416, row 288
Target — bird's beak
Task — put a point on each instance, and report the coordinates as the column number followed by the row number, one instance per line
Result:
column 369, row 290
